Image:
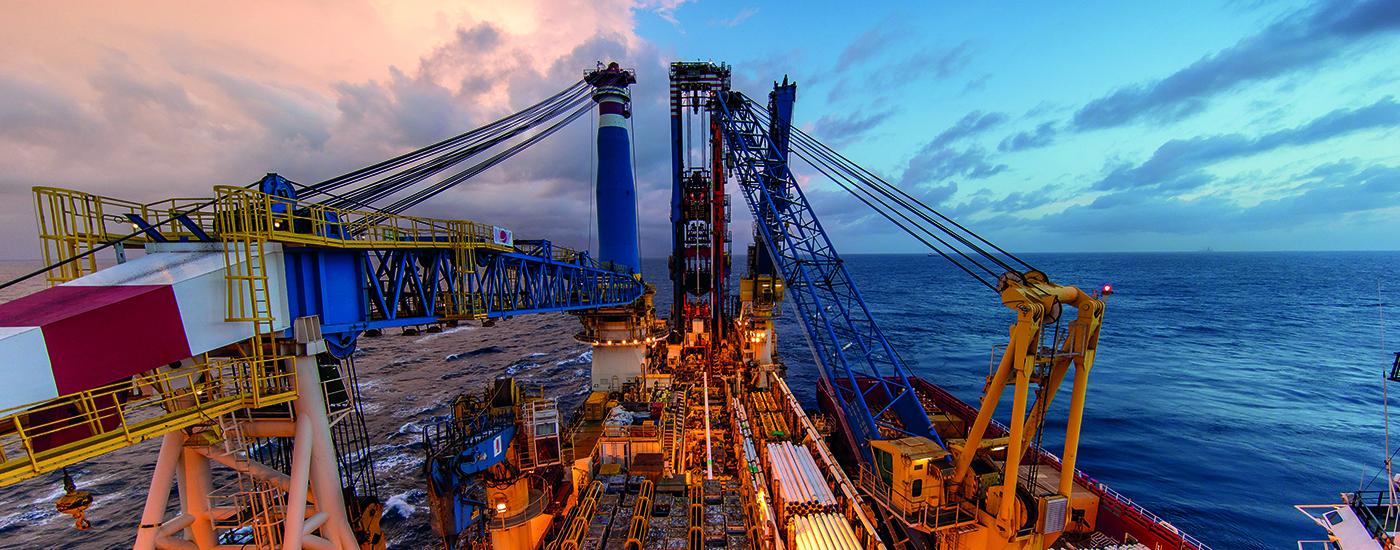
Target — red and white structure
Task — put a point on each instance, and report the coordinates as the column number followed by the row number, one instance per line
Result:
column 164, row 307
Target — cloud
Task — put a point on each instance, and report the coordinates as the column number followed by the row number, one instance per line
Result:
column 936, row 164
column 842, row 213
column 872, row 42
column 198, row 97
column 1177, row 163
column 938, row 161
column 36, row 113
column 1300, row 41
column 840, row 129
column 939, row 63
column 971, row 124
column 935, row 63
column 743, row 14
column 1044, row 136
column 1014, row 202
column 1334, row 200
column 977, row 84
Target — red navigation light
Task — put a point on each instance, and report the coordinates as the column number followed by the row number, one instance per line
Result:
column 1107, row 289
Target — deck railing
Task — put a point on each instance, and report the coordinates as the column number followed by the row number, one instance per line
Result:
column 531, row 511
column 915, row 513
column 74, row 222
column 963, row 409
column 44, row 437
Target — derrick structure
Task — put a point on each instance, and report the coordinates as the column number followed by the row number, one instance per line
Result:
column 232, row 334
column 761, row 288
column 701, row 240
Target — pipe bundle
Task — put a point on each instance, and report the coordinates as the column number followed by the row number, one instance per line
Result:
column 821, row 532
column 800, row 487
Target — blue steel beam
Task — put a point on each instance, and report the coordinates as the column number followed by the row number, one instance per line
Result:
column 356, row 290
column 846, row 341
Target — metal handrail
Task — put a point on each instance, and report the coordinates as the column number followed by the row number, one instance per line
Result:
column 531, row 511
column 260, row 215
column 1093, row 484
column 73, row 222
column 110, row 417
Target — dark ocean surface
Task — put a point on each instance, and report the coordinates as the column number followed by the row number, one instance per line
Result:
column 1228, row 386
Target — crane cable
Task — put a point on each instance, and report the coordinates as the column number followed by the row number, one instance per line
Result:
column 492, row 134
column 919, row 220
column 469, row 137
column 439, row 157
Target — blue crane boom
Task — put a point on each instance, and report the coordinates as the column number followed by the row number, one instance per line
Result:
column 846, row 341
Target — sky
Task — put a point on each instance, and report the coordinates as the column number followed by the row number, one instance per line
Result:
column 1238, row 125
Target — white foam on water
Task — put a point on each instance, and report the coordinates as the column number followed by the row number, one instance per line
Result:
column 399, row 503
column 585, row 357
column 444, row 333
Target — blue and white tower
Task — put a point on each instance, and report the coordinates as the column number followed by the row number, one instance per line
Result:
column 620, row 336
column 617, row 189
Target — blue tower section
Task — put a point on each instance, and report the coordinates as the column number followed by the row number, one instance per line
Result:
column 617, row 189
column 780, row 102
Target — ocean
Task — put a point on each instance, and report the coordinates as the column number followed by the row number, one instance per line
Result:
column 1228, row 386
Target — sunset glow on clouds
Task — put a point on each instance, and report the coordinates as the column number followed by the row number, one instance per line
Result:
column 1239, row 125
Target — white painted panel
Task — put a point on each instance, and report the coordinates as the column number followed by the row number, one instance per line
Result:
column 24, row 367
column 202, row 308
column 196, row 273
column 1351, row 532
column 183, row 261
column 621, row 362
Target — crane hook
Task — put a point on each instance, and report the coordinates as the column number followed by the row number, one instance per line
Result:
column 74, row 503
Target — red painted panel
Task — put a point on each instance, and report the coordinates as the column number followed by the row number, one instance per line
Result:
column 61, row 302
column 60, row 425
column 104, row 334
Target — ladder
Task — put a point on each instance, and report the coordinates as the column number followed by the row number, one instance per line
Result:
column 260, row 506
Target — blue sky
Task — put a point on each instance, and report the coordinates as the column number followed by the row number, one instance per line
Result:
column 1109, row 127
column 1117, row 126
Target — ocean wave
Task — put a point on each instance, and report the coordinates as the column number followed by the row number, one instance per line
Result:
column 402, row 503
column 443, row 333
column 585, row 357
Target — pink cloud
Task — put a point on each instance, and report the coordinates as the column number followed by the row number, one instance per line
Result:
column 151, row 99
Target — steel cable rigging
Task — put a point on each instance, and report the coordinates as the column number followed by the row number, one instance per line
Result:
column 967, row 250
column 410, row 168
column 388, row 178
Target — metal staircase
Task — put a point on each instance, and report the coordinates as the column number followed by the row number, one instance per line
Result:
column 258, row 507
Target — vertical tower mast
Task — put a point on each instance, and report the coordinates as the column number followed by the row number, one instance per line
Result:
column 617, row 190
column 699, row 208
column 619, row 335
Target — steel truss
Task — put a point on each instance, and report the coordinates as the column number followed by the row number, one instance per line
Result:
column 845, row 340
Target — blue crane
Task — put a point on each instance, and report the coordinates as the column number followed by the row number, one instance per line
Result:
column 845, row 339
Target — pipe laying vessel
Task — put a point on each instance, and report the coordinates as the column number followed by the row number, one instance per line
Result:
column 252, row 303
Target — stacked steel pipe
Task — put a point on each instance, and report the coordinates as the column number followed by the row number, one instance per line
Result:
column 799, row 485
column 821, row 532
column 769, row 418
